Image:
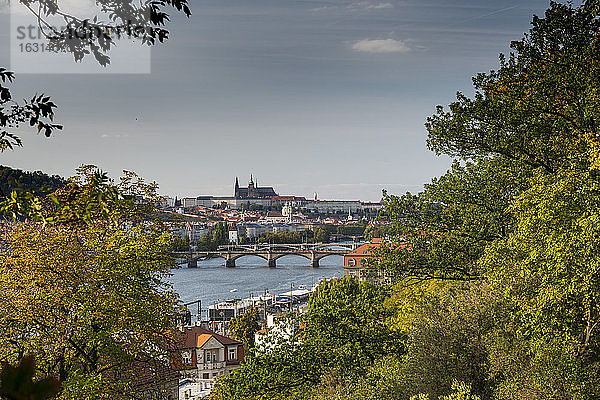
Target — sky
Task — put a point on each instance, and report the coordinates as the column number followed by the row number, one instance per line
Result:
column 308, row 96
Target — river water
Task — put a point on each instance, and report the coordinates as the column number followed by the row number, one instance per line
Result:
column 212, row 282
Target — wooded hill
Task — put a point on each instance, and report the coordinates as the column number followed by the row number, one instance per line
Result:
column 16, row 179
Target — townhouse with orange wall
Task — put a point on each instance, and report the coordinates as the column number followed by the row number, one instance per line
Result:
column 355, row 261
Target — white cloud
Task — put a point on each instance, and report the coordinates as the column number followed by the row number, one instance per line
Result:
column 380, row 5
column 320, row 9
column 114, row 135
column 354, row 7
column 381, row 46
column 368, row 5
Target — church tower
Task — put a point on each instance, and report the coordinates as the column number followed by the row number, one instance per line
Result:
column 251, row 188
column 236, row 190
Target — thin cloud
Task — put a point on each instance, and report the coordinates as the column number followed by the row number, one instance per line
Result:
column 368, row 5
column 114, row 135
column 380, row 6
column 354, row 7
column 320, row 9
column 381, row 46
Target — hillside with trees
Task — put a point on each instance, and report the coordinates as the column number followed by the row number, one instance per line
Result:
column 16, row 179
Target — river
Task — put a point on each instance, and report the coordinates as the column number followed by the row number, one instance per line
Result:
column 211, row 282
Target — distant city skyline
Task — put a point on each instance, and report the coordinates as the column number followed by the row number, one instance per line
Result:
column 308, row 96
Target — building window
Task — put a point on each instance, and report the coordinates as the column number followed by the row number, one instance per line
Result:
column 205, row 375
column 232, row 354
column 211, row 357
column 186, row 357
column 351, row 262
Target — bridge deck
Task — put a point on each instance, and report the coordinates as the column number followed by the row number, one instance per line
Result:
column 268, row 252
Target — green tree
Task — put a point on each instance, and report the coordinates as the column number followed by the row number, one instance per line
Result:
column 287, row 372
column 37, row 112
column 83, row 288
column 320, row 235
column 548, row 270
column 541, row 106
column 351, row 230
column 345, row 323
column 15, row 179
column 518, row 210
column 442, row 232
column 537, row 111
column 244, row 327
column 462, row 391
column 181, row 244
column 446, row 325
column 447, row 339
column 218, row 236
column 342, row 333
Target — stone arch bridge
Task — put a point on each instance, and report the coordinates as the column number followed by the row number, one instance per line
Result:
column 269, row 252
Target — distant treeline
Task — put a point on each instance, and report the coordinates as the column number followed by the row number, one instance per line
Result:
column 321, row 234
column 16, row 179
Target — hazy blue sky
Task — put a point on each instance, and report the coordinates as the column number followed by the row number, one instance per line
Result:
column 308, row 96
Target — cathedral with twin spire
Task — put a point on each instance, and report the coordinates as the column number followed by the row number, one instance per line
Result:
column 253, row 191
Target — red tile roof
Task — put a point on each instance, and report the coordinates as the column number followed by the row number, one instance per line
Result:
column 195, row 336
column 365, row 249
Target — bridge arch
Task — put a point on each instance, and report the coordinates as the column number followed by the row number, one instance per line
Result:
column 322, row 256
column 278, row 256
column 271, row 258
column 238, row 256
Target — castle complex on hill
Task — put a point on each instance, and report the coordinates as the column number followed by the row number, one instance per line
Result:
column 266, row 197
column 242, row 197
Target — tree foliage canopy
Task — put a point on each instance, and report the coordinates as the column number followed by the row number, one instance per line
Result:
column 344, row 330
column 16, row 179
column 83, row 287
column 37, row 112
column 541, row 106
column 244, row 327
column 518, row 211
